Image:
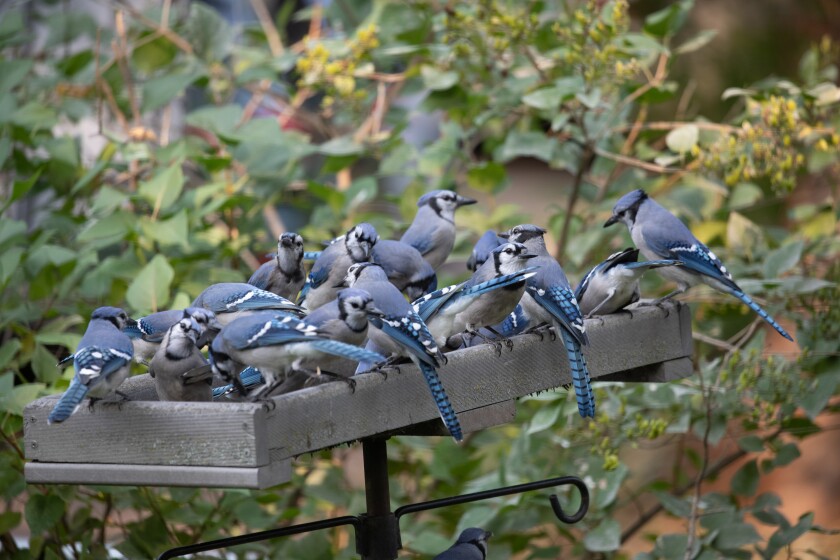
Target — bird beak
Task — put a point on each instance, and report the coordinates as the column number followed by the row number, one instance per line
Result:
column 342, row 284
column 528, row 256
column 504, row 235
column 464, row 201
column 613, row 219
column 374, row 312
column 286, row 242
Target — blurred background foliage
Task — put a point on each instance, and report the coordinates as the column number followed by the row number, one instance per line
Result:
column 146, row 151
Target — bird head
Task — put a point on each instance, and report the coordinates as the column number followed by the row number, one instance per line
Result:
column 208, row 324
column 356, row 271
column 444, row 202
column 510, row 257
column 625, row 209
column 289, row 249
column 523, row 233
column 475, row 536
column 113, row 315
column 360, row 240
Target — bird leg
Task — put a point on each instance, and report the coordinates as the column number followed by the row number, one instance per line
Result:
column 599, row 306
column 92, row 401
column 503, row 339
column 123, row 396
column 539, row 329
column 319, row 374
column 473, row 332
column 389, row 364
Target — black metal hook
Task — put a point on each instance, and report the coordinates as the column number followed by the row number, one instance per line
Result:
column 507, row 491
column 582, row 509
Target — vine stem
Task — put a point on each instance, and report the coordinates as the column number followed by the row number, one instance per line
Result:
column 586, row 159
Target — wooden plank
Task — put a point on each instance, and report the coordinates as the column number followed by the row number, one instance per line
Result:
column 476, row 377
column 146, row 436
column 266, row 476
column 149, row 433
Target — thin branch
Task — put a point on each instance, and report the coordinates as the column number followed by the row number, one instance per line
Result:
column 711, row 472
column 698, row 482
column 173, row 37
column 633, row 162
column 723, row 345
column 585, row 162
column 275, row 44
column 670, row 125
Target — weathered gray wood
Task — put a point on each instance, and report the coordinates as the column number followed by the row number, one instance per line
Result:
column 149, row 433
column 477, row 377
column 269, row 475
column 653, row 345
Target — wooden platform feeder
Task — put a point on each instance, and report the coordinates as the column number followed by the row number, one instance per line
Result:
column 243, row 445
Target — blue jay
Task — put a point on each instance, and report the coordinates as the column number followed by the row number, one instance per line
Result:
column 406, row 268
column 614, row 284
column 481, row 252
column 549, row 299
column 661, row 235
column 102, row 362
column 433, row 230
column 284, row 275
column 486, row 299
column 146, row 333
column 273, row 343
column 180, row 371
column 230, row 300
column 402, row 333
column 331, row 266
column 345, row 319
column 471, row 545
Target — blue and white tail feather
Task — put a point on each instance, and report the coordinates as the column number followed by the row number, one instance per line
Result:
column 447, row 413
column 761, row 313
column 580, row 376
column 69, row 402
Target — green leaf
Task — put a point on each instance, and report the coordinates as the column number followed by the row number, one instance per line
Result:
column 605, row 537
column 698, row 42
column 745, row 481
column 15, row 401
column 12, row 72
column 9, row 261
column 673, row 504
column 736, row 92
column 43, row 364
column 783, row 259
column 9, row 229
column 341, row 146
column 8, row 351
column 735, row 536
column 43, row 512
column 158, row 92
column 327, row 193
column 668, row 21
column 786, row 535
column 107, row 230
column 149, row 291
column 174, row 231
column 568, row 87
column 753, row 444
column 164, row 188
column 527, row 144
column 9, row 520
column 436, row 79
column 153, row 54
column 67, row 339
column 745, row 195
column 547, row 98
column 683, row 138
column 35, row 116
column 787, row 454
column 398, row 160
column 490, row 177
column 210, row 35
column 477, row 516
column 545, row 418
column 361, row 190
column 823, row 389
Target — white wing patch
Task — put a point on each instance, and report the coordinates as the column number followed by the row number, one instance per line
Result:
column 243, row 299
column 261, row 332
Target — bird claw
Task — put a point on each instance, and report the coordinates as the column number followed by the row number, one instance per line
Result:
column 92, row 401
column 509, row 344
column 497, row 346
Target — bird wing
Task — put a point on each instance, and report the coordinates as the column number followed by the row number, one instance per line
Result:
column 560, row 302
column 95, row 363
